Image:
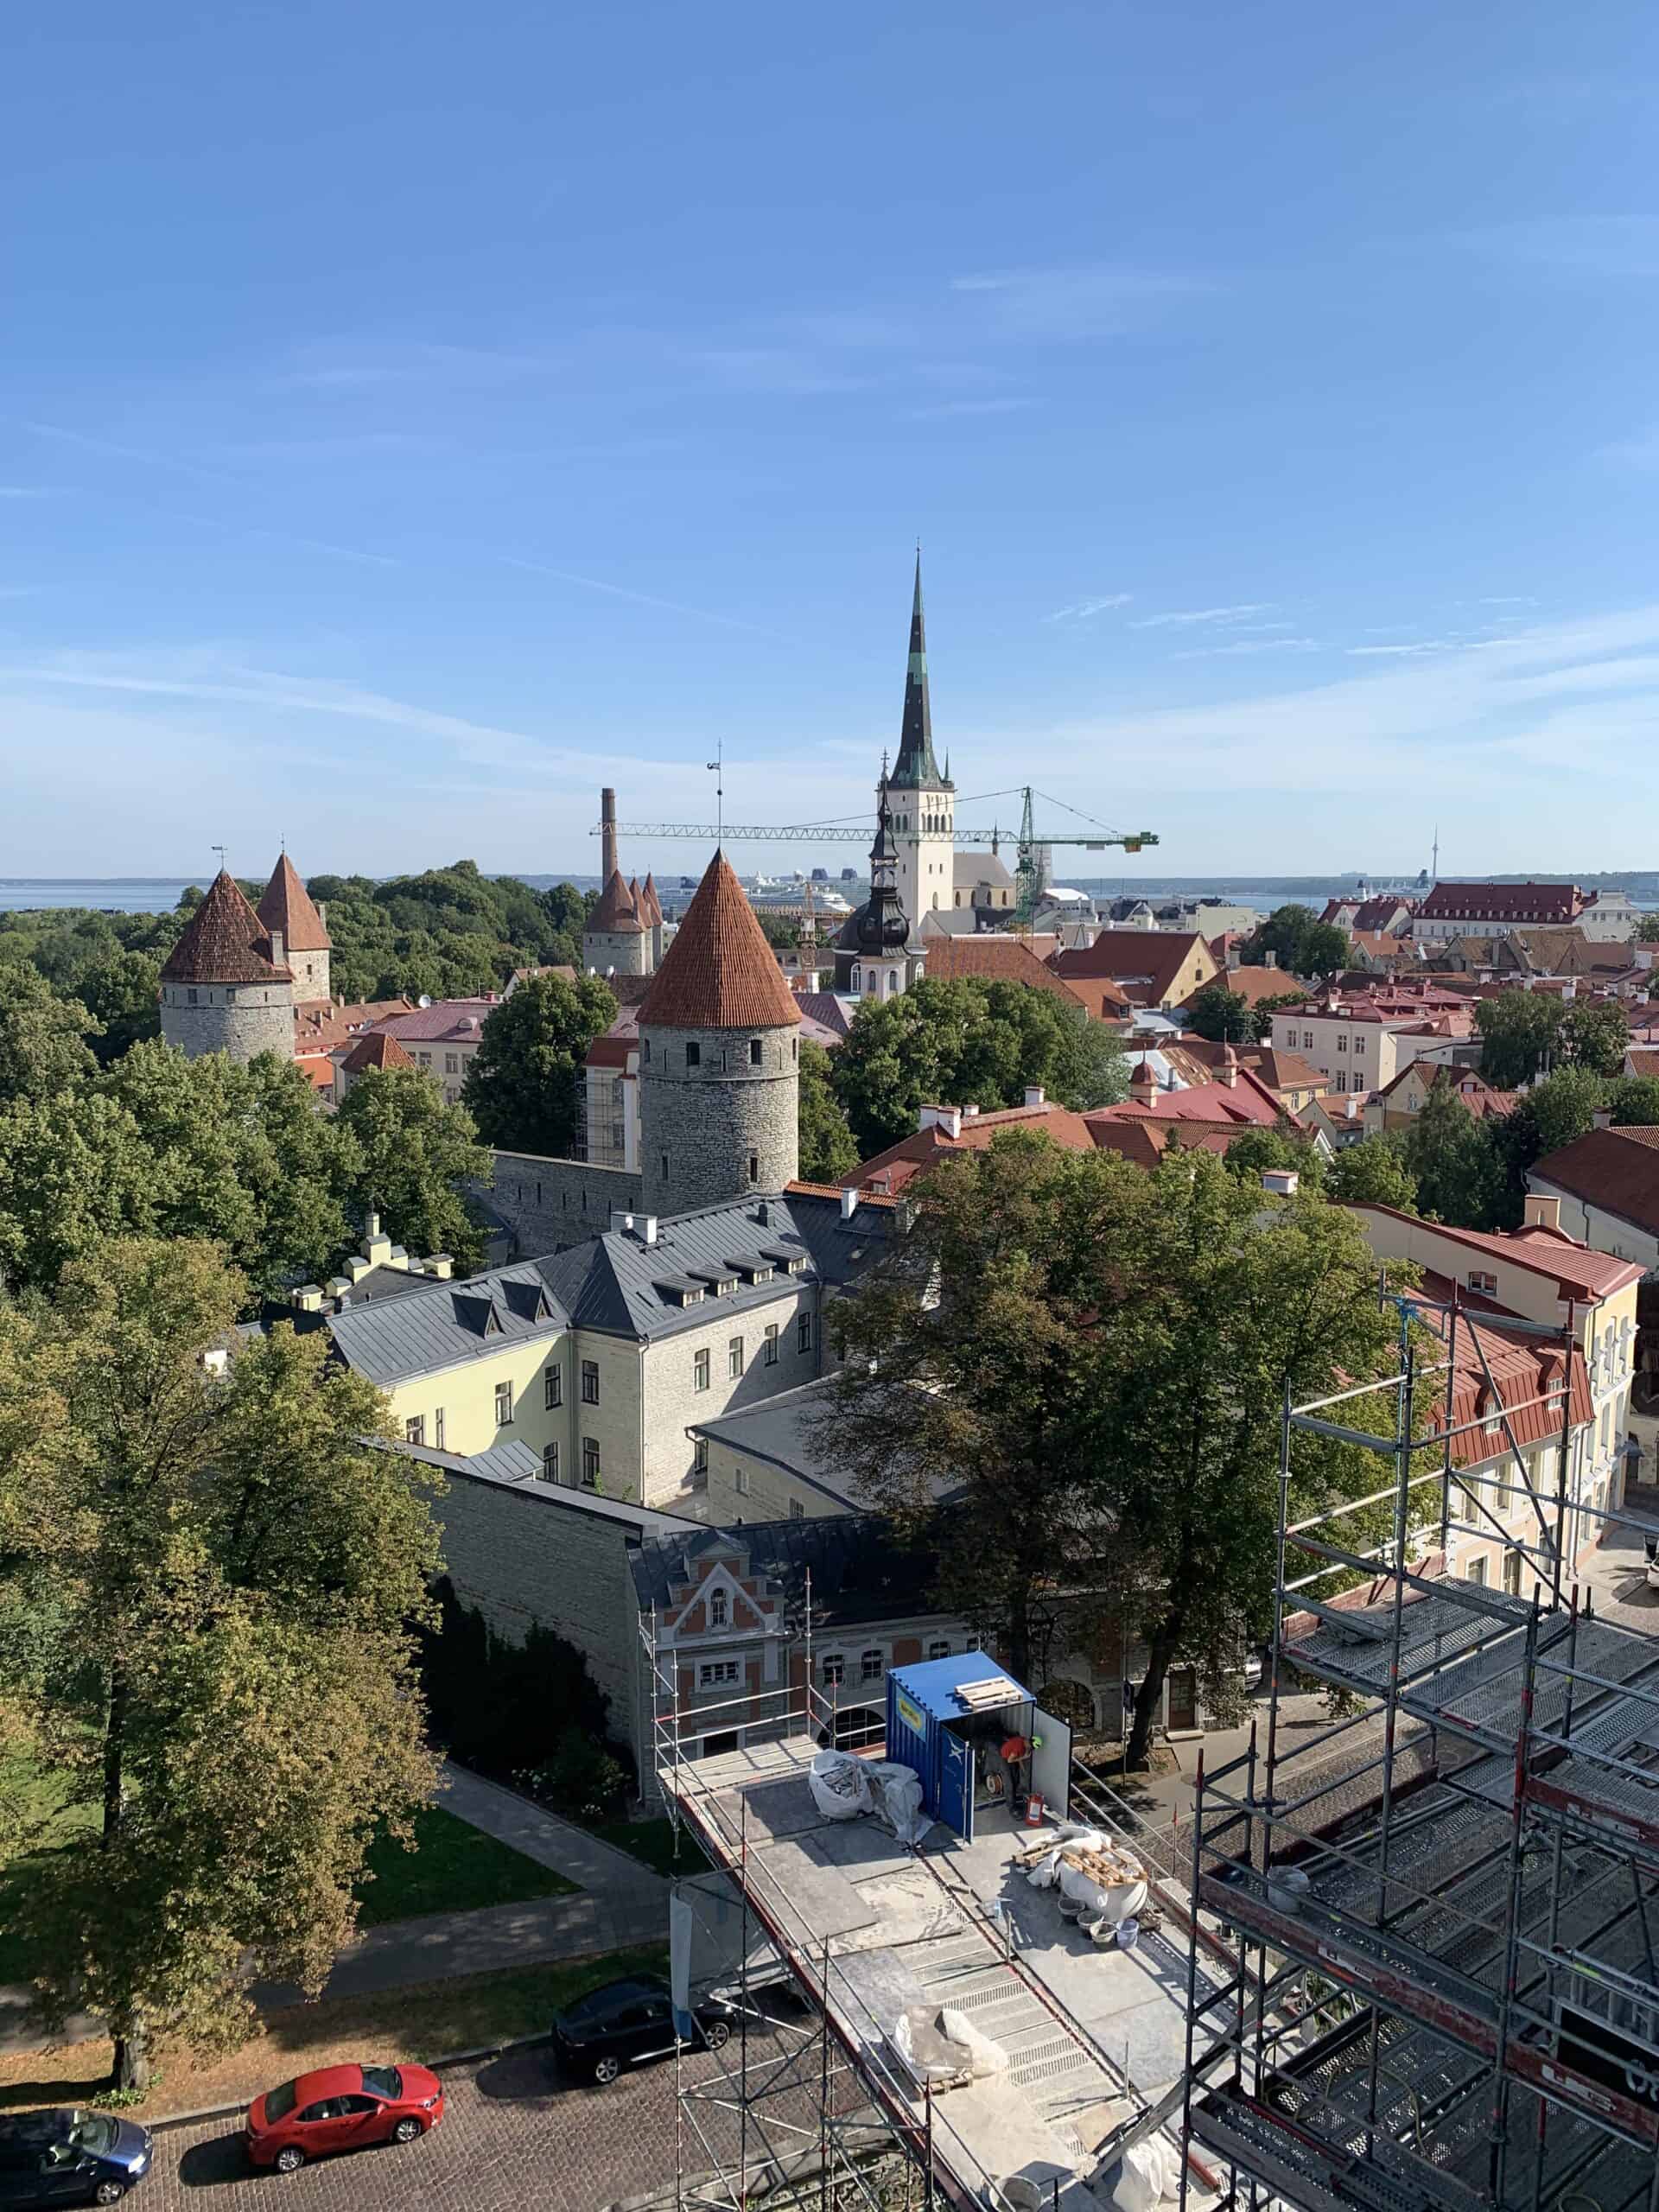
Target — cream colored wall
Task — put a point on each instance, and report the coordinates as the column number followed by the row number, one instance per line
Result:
column 466, row 1394
column 433, row 1058
column 744, row 1487
column 672, row 1401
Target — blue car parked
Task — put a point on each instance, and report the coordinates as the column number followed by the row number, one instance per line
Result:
column 70, row 2158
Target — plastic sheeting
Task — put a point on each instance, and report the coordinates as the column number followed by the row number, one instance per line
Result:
column 1149, row 2175
column 896, row 1790
column 839, row 1788
column 941, row 2045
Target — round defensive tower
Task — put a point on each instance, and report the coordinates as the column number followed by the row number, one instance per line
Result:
column 227, row 987
column 719, row 1059
column 614, row 939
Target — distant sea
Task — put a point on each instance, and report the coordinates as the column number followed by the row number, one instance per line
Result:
column 155, row 894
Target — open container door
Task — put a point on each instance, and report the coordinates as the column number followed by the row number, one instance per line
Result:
column 955, row 1806
column 1051, row 1761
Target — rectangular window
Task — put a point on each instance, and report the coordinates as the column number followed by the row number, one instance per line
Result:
column 769, row 1351
column 754, row 1167
column 665, row 1158
column 590, row 1381
column 734, row 1356
column 940, row 1649
column 503, row 1404
column 437, row 1428
column 1477, row 1572
column 700, row 1370
column 1307, row 1041
column 740, row 1481
column 1342, row 1043
column 415, row 1429
column 693, row 1055
column 870, row 1668
column 797, row 1510
column 191, row 996
column 452, row 1064
column 590, row 1463
column 550, row 1462
column 803, row 1332
column 754, row 1051
column 552, row 1387
column 700, row 1455
column 425, row 1059
column 835, row 1670
column 714, row 1673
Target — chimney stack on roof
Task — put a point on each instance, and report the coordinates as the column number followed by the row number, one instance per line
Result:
column 948, row 1118
column 849, row 1201
column 608, row 835
column 1542, row 1212
column 1034, row 1098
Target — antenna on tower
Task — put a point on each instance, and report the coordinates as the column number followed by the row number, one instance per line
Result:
column 1434, row 865
column 717, row 769
column 219, row 850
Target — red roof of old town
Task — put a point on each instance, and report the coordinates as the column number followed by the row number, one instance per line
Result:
column 720, row 972
column 287, row 906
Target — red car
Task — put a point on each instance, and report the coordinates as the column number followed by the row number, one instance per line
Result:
column 339, row 2107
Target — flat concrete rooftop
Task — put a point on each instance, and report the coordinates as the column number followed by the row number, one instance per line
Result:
column 1090, row 2034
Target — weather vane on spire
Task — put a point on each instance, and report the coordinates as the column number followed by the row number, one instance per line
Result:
column 219, row 850
column 717, row 769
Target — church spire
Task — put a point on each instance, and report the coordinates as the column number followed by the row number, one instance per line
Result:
column 916, row 766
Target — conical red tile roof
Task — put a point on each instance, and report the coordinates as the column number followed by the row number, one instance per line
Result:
column 287, row 906
column 719, row 973
column 224, row 942
column 615, row 910
column 651, row 909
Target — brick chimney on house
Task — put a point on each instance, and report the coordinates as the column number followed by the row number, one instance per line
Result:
column 1542, row 1212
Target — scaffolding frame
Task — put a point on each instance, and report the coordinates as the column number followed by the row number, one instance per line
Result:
column 1445, row 1995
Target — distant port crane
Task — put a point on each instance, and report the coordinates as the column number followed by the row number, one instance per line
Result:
column 1030, row 843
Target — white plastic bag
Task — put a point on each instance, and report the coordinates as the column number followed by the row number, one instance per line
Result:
column 896, row 1792
column 838, row 1785
column 1150, row 2172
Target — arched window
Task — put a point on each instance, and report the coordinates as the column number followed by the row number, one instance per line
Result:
column 716, row 1609
column 855, row 977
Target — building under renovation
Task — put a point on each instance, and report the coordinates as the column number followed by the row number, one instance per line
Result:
column 1443, row 1907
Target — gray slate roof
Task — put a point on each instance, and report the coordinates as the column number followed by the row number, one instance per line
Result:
column 860, row 1571
column 514, row 1466
column 615, row 1283
column 788, row 1431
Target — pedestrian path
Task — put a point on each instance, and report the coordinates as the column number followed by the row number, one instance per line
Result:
column 620, row 1902
column 599, row 1867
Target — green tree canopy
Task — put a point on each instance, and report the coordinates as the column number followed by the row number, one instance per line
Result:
column 1517, row 1034
column 416, row 1156
column 1633, row 1101
column 828, row 1152
column 523, row 1083
column 1594, row 1034
column 1283, row 1145
column 1305, row 945
column 1459, row 1169
column 1224, row 1017
column 1647, row 930
column 222, row 1575
column 1094, row 1359
column 1373, row 1172
column 43, row 1037
column 968, row 1043
column 1553, row 1113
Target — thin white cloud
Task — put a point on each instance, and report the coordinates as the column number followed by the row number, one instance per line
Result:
column 1097, row 300
column 1251, row 645
column 639, row 598
column 1613, row 247
column 1401, row 652
column 945, row 407
column 29, row 492
column 1082, row 610
column 1509, row 599
column 1191, row 615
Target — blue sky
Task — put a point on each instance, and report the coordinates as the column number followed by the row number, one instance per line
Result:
column 411, row 417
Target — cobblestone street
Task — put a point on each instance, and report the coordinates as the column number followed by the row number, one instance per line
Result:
column 514, row 2136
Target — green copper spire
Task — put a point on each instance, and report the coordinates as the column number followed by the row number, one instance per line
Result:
column 916, row 768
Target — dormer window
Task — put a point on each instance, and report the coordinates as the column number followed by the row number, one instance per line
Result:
column 1485, row 1284
column 717, row 1614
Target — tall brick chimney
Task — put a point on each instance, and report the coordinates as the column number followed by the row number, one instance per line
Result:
column 607, row 839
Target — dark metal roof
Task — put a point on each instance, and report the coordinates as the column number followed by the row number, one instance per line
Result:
column 860, row 1570
column 615, row 1283
column 515, row 1466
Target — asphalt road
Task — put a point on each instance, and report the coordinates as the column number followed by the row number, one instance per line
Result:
column 515, row 2137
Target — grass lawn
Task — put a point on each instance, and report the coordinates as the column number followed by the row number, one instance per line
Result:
column 653, row 1841
column 423, row 2022
column 453, row 1868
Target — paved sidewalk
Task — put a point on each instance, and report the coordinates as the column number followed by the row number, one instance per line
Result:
column 620, row 1902
column 598, row 1867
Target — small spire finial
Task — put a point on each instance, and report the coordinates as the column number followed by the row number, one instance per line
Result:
column 219, row 850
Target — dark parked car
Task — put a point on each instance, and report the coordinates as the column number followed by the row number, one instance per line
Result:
column 626, row 2023
column 71, row 2157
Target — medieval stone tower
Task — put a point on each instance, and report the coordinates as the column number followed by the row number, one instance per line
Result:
column 286, row 908
column 226, row 986
column 719, row 1059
